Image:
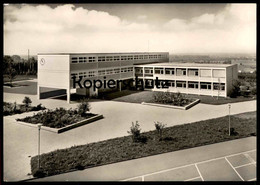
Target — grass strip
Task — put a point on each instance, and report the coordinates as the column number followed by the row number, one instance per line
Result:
column 120, row 149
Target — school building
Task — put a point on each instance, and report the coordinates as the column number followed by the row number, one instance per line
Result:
column 56, row 71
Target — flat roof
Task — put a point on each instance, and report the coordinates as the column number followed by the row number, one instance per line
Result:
column 98, row 53
column 177, row 64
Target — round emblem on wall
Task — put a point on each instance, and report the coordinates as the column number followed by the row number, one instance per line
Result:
column 42, row 61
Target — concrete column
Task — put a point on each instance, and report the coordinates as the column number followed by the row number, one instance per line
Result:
column 68, row 95
column 212, row 82
column 199, row 87
column 212, row 89
column 92, row 92
column 120, row 86
column 38, row 92
column 143, row 78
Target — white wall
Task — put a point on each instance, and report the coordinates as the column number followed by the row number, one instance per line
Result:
column 54, row 71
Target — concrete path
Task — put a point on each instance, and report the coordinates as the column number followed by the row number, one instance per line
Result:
column 20, row 141
column 210, row 161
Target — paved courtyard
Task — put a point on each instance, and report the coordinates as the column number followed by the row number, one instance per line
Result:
column 20, row 141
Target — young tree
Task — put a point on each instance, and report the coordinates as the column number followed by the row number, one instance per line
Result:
column 135, row 131
column 159, row 127
column 27, row 101
column 83, row 107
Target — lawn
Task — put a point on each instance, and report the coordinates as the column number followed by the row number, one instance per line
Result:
column 147, row 96
column 21, row 77
column 220, row 100
column 123, row 148
column 26, row 87
column 139, row 97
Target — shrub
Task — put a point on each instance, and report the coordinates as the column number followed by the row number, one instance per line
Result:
column 79, row 167
column 159, row 127
column 83, row 107
column 170, row 98
column 39, row 173
column 39, row 106
column 235, row 90
column 253, row 91
column 135, row 131
column 27, row 101
column 233, row 132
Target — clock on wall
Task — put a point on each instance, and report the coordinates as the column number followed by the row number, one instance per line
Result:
column 42, row 61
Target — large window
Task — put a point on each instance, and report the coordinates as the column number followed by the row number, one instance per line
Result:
column 219, row 86
column 101, row 58
column 140, row 57
column 74, row 74
column 91, row 73
column 101, row 72
column 158, row 70
column 81, row 74
column 169, row 71
column 91, row 59
column 171, row 83
column 148, row 70
column 181, row 72
column 116, row 71
column 129, row 69
column 136, row 57
column 82, row 59
column 181, row 84
column 116, row 57
column 109, row 58
column 205, row 85
column 193, row 72
column 193, row 85
column 109, row 71
column 124, row 70
column 123, row 57
column 74, row 60
column 139, row 70
column 130, row 57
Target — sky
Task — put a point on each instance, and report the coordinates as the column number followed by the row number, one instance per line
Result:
column 85, row 28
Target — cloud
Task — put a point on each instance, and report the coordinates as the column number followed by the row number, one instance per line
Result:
column 69, row 29
column 142, row 17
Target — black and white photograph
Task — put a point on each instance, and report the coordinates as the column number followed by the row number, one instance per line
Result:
column 129, row 92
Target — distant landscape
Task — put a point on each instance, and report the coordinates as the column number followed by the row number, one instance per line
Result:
column 246, row 62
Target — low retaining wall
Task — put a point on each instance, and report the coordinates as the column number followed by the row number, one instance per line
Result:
column 49, row 94
column 63, row 129
column 173, row 106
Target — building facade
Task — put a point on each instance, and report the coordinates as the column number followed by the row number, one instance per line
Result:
column 191, row 78
column 58, row 70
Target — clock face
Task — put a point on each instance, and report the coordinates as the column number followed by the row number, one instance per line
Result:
column 42, row 61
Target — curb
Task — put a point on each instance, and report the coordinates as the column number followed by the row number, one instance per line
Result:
column 173, row 106
column 68, row 127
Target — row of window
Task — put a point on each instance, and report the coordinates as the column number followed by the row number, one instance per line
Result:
column 102, row 72
column 181, row 72
column 191, row 85
column 83, row 59
column 115, row 58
